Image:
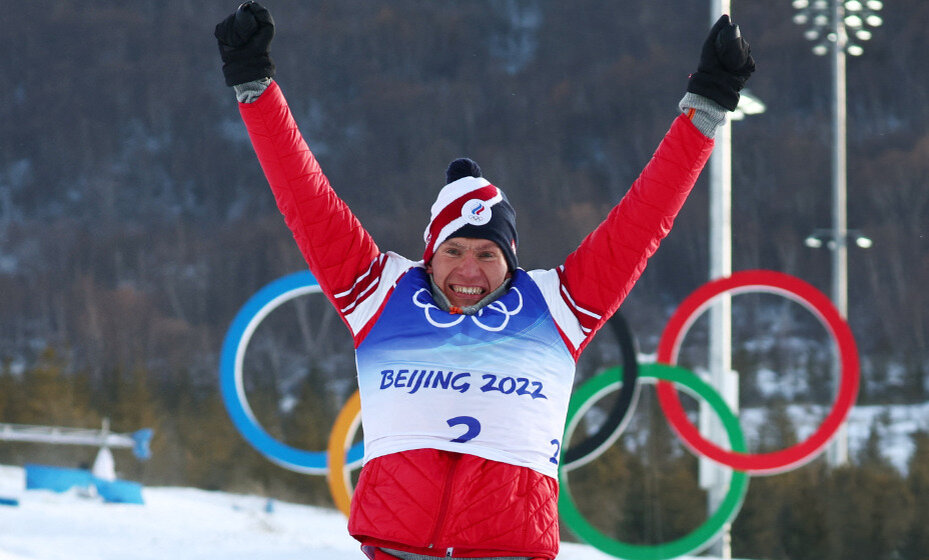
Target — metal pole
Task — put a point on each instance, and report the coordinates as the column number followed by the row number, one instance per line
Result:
column 714, row 478
column 138, row 441
column 837, row 453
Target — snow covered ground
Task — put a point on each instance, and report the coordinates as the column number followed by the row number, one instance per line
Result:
column 191, row 524
column 176, row 523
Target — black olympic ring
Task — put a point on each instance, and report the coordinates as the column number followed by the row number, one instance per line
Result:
column 594, row 445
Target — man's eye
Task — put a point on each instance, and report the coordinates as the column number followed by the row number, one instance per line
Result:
column 488, row 256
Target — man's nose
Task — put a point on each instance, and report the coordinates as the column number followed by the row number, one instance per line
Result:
column 469, row 266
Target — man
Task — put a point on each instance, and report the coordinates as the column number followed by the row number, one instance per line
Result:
column 466, row 361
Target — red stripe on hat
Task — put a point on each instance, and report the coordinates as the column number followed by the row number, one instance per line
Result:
column 453, row 210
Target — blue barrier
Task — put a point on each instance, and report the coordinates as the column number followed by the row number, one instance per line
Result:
column 62, row 479
column 120, row 491
column 57, row 479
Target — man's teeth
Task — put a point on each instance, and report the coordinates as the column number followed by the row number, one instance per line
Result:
column 470, row 290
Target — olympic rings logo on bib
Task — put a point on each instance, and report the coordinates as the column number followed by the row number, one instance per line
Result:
column 341, row 457
column 481, row 318
column 427, row 306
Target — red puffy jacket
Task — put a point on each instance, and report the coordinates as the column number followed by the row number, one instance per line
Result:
column 434, row 502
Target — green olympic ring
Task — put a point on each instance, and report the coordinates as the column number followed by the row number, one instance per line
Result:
column 703, row 535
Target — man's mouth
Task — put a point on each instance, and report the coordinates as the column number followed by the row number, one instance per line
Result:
column 468, row 290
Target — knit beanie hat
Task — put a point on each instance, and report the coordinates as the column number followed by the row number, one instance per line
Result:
column 469, row 206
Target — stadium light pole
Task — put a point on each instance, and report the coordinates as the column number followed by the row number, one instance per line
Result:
column 713, row 478
column 836, row 26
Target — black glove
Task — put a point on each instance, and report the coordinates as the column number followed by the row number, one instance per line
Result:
column 245, row 44
column 725, row 64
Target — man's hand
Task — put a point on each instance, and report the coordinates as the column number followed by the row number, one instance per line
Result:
column 245, row 44
column 725, row 65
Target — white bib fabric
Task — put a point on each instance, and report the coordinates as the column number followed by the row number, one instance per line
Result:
column 495, row 384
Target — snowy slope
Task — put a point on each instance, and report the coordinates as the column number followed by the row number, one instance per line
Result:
column 191, row 524
column 176, row 523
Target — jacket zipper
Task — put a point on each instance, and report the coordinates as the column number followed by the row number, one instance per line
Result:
column 443, row 508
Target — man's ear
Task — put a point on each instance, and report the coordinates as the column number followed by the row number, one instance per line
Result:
column 429, row 267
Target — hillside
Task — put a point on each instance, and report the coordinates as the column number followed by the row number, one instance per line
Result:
column 134, row 220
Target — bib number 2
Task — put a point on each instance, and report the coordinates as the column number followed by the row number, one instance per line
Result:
column 474, row 427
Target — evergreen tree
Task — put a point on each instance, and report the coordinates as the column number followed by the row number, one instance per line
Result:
column 10, row 407
column 802, row 522
column 308, row 424
column 758, row 531
column 603, row 490
column 778, row 430
column 870, row 507
column 755, row 531
column 917, row 537
column 667, row 499
column 134, row 408
column 51, row 398
column 8, row 387
column 871, row 454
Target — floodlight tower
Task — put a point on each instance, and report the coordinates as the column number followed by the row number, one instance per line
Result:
column 836, row 26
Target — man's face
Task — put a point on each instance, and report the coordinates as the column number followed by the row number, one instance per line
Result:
column 467, row 269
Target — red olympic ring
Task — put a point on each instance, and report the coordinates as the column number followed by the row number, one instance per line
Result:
column 798, row 291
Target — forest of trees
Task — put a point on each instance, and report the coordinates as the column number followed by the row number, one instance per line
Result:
column 135, row 221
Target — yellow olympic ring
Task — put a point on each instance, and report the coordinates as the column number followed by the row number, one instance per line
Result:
column 338, row 475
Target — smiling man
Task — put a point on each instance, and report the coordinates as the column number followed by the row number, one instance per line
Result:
column 466, row 271
column 466, row 361
column 470, row 240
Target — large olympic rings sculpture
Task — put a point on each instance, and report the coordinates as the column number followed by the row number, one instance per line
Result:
column 341, row 456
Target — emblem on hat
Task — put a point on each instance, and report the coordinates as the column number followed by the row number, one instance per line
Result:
column 476, row 212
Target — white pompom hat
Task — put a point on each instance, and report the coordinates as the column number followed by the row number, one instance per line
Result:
column 469, row 206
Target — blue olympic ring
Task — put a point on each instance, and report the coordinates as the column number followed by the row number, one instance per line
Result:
column 233, row 389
